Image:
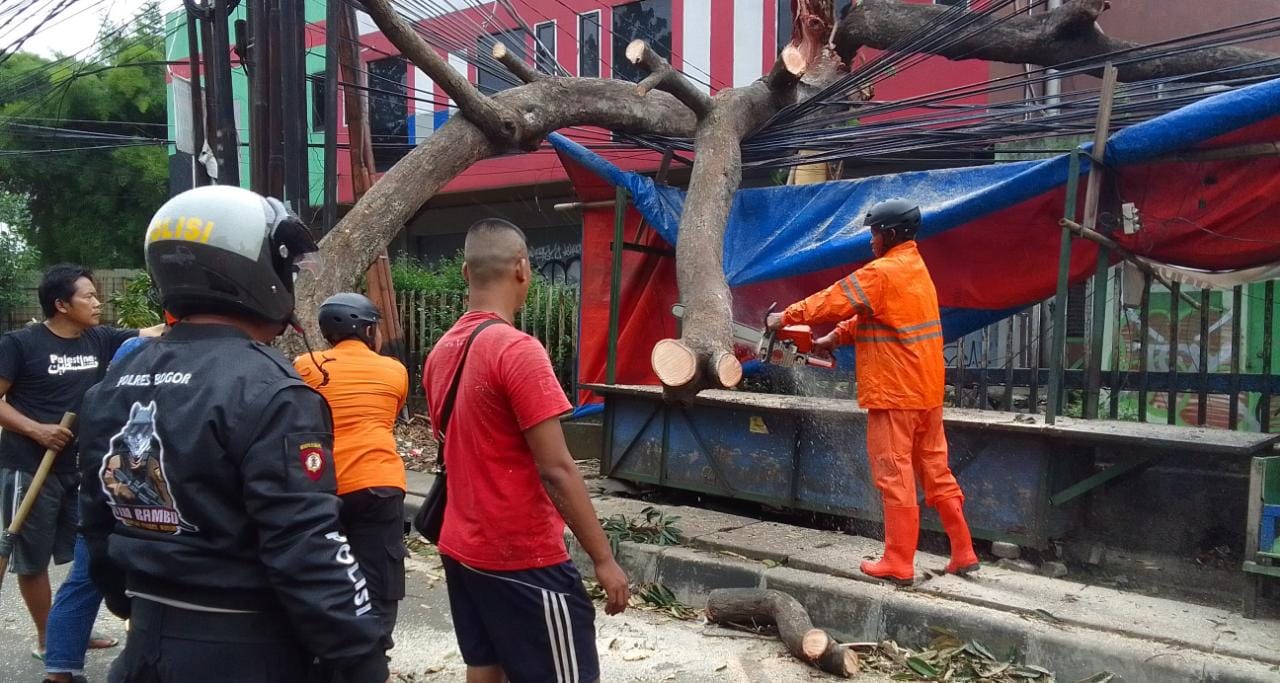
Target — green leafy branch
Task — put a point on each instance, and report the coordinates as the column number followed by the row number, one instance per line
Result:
column 655, row 528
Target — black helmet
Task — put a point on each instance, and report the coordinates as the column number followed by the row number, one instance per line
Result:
column 898, row 215
column 347, row 315
column 223, row 249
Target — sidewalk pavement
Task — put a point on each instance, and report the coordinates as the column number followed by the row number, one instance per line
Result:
column 1069, row 627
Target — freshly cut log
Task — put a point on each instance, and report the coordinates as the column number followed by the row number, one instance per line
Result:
column 765, row 607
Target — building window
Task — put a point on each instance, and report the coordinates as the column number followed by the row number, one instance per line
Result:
column 388, row 112
column 589, row 45
column 786, row 19
column 491, row 78
column 648, row 20
column 545, row 47
column 319, row 88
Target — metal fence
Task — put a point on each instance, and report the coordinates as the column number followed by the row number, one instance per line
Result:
column 550, row 315
column 1167, row 355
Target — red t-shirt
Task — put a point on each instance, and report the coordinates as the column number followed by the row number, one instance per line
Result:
column 498, row 516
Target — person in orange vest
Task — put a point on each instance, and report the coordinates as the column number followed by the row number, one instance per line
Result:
column 365, row 392
column 888, row 310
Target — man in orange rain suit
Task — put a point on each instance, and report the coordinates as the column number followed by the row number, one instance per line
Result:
column 888, row 310
column 365, row 392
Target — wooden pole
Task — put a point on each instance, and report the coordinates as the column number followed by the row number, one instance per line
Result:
column 29, row 499
column 360, row 148
column 1092, row 197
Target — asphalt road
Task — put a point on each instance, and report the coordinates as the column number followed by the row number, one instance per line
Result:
column 637, row 646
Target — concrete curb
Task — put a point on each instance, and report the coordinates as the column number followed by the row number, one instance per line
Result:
column 727, row 552
column 860, row 611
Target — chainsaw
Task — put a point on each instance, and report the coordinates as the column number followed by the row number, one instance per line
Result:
column 788, row 347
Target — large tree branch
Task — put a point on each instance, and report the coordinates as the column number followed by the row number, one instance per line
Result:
column 703, row 356
column 1064, row 35
column 545, row 106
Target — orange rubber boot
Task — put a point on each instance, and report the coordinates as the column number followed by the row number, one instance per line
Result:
column 901, row 531
column 963, row 559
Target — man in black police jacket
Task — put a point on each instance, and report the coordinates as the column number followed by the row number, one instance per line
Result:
column 208, row 486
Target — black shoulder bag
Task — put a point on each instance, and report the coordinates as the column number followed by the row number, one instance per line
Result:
column 430, row 517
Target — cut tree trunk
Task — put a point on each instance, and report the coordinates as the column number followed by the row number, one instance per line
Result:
column 763, row 607
column 707, row 328
column 703, row 356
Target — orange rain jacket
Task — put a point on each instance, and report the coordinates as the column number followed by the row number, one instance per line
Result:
column 889, row 310
column 365, row 393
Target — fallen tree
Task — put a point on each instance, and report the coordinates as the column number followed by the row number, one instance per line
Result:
column 665, row 104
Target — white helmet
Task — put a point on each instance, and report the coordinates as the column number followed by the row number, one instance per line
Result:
column 224, row 249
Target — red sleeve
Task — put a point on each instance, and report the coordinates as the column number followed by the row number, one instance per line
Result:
column 531, row 384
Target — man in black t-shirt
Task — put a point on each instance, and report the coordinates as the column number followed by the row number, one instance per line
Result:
column 45, row 370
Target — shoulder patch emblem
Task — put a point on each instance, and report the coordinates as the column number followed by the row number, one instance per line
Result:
column 311, row 455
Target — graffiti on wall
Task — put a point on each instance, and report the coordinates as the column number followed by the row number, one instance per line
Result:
column 558, row 262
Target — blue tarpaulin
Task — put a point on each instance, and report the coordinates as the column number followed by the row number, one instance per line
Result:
column 790, row 231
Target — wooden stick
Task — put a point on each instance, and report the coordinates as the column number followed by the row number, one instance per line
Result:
column 29, row 499
column 1099, row 238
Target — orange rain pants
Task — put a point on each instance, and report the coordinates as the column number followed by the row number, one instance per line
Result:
column 906, row 445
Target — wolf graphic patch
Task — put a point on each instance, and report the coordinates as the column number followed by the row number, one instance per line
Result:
column 133, row 476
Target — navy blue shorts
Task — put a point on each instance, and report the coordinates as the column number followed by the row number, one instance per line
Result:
column 537, row 624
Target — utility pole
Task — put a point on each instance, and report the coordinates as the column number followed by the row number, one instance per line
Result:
column 333, row 17
column 274, row 144
column 217, row 58
column 259, row 97
column 199, row 175
column 302, row 131
column 290, row 86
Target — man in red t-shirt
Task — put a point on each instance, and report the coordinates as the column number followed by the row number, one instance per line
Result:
column 519, row 607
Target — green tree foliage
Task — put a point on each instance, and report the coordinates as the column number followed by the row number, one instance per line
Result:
column 434, row 296
column 136, row 304
column 17, row 258
column 89, row 205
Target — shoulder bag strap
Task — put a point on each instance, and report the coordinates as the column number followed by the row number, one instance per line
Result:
column 446, row 410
